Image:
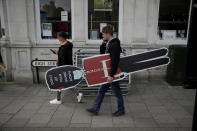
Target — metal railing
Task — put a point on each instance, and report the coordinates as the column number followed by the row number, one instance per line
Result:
column 91, row 91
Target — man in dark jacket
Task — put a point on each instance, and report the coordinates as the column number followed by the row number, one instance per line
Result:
column 114, row 49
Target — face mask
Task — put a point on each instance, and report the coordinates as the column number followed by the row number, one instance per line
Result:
column 60, row 42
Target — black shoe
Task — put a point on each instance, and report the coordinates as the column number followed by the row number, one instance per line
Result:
column 91, row 110
column 115, row 113
column 118, row 113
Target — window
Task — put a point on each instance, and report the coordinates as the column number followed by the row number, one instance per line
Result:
column 173, row 19
column 55, row 16
column 100, row 14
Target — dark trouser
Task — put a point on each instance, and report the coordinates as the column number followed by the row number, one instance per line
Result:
column 117, row 92
column 59, row 93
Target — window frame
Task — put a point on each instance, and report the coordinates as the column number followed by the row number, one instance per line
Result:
column 93, row 42
column 176, row 41
column 38, row 25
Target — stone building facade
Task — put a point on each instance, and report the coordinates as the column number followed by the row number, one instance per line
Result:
column 21, row 40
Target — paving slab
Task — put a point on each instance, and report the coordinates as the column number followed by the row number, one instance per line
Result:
column 149, row 106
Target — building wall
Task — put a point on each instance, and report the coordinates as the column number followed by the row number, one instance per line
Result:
column 138, row 21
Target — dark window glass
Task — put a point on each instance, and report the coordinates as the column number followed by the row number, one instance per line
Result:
column 100, row 14
column 173, row 18
column 55, row 16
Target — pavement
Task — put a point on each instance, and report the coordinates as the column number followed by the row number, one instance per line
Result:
column 150, row 106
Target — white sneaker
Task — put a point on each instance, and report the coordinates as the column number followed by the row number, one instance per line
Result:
column 55, row 101
column 79, row 97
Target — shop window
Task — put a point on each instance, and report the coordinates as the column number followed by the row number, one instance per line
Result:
column 173, row 19
column 55, row 16
column 100, row 14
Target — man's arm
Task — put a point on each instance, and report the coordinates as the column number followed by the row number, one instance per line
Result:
column 115, row 58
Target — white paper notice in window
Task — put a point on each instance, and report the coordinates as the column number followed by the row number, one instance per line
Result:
column 102, row 25
column 169, row 34
column 47, row 29
column 64, row 15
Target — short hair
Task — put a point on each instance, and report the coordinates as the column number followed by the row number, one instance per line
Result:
column 108, row 29
column 63, row 34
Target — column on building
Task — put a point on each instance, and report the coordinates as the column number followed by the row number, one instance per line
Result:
column 153, row 16
column 5, row 43
column 127, row 21
column 78, row 22
column 140, row 18
column 19, row 42
column 139, row 21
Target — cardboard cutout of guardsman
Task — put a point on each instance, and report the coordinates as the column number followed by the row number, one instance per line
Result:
column 105, row 70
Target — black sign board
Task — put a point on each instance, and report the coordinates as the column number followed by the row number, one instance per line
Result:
column 43, row 63
column 63, row 77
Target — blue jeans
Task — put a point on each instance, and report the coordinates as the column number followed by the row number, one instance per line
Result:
column 117, row 92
